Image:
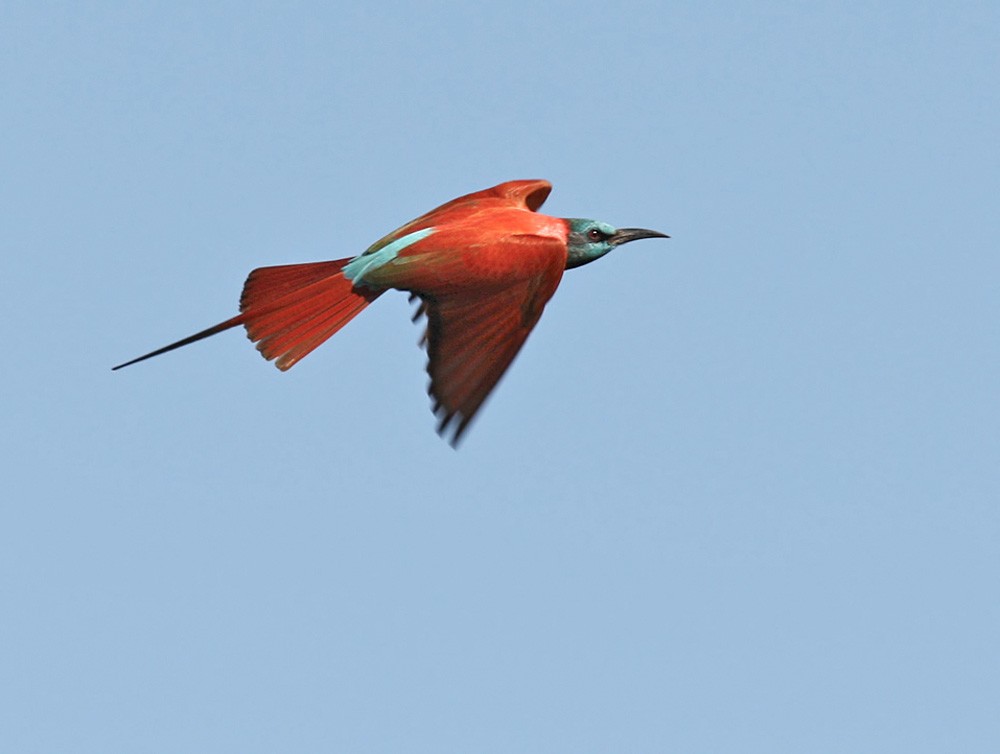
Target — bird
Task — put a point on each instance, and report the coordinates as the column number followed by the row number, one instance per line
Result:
column 481, row 268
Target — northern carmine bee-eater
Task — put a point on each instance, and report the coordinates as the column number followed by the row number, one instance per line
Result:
column 483, row 266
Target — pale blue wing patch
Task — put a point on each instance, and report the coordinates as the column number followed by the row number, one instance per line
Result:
column 357, row 268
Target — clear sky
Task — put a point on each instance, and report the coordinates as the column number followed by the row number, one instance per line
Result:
column 739, row 493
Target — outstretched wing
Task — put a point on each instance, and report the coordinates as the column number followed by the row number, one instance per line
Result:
column 524, row 194
column 472, row 339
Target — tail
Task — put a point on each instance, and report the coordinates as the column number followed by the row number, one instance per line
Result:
column 289, row 310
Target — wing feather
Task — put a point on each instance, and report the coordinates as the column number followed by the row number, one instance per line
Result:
column 525, row 195
column 472, row 339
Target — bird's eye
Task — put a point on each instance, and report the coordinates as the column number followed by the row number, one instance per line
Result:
column 595, row 235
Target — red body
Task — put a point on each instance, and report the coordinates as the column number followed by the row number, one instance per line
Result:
column 483, row 275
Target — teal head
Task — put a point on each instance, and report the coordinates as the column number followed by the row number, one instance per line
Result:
column 590, row 239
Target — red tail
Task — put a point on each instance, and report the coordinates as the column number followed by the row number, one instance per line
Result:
column 289, row 310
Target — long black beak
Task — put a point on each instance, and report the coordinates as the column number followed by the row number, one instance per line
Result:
column 624, row 235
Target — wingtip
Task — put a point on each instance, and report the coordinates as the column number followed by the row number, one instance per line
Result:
column 451, row 426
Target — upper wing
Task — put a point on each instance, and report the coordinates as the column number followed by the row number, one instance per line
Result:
column 472, row 338
column 527, row 195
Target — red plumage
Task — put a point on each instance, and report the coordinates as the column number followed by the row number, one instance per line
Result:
column 483, row 275
column 292, row 309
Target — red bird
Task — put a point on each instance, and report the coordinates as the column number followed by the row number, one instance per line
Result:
column 483, row 266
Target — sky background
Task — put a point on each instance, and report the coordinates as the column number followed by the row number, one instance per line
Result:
column 739, row 492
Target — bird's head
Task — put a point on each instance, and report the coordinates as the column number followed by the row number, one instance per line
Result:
column 591, row 239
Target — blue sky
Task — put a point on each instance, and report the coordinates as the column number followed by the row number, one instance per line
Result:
column 737, row 494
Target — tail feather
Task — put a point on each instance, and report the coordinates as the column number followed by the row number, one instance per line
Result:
column 265, row 285
column 214, row 330
column 289, row 310
column 289, row 335
column 313, row 337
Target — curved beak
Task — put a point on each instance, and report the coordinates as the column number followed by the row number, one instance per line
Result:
column 624, row 235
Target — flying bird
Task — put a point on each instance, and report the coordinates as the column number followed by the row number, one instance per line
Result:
column 482, row 267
